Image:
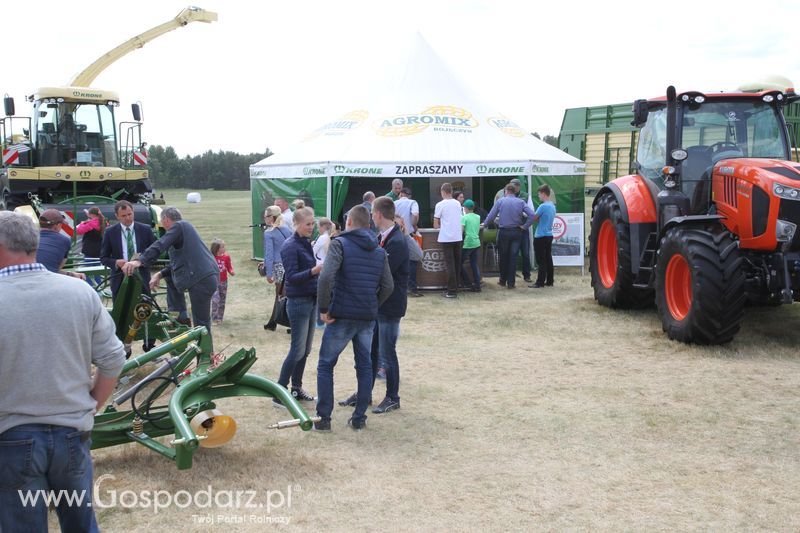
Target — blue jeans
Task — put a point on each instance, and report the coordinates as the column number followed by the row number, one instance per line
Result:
column 388, row 333
column 334, row 341
column 412, row 275
column 37, row 457
column 525, row 248
column 471, row 254
column 302, row 313
column 508, row 243
column 94, row 281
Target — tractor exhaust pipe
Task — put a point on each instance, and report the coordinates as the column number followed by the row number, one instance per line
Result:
column 672, row 202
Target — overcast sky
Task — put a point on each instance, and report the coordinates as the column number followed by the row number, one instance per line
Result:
column 269, row 72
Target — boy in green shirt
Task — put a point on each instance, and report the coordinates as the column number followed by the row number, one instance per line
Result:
column 471, row 224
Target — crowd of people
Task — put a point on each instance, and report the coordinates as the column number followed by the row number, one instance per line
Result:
column 352, row 284
column 355, row 284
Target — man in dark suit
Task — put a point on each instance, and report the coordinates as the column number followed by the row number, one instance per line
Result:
column 123, row 242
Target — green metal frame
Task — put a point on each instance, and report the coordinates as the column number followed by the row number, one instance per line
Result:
column 193, row 391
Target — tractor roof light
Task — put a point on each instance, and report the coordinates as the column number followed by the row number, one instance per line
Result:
column 768, row 98
column 668, row 171
column 699, row 99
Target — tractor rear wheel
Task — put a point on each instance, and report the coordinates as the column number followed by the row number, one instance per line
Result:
column 610, row 258
column 700, row 285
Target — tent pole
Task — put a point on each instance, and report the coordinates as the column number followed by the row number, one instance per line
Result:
column 328, row 201
column 530, row 230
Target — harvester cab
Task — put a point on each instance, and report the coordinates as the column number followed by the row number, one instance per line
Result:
column 72, row 144
column 708, row 220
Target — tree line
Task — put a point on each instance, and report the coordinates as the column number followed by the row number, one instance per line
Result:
column 215, row 170
column 210, row 170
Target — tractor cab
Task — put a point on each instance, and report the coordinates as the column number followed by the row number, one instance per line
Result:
column 709, row 129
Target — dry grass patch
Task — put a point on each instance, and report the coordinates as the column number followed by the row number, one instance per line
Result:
column 521, row 410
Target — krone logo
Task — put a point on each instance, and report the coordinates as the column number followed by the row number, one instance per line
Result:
column 85, row 174
column 338, row 169
column 481, row 169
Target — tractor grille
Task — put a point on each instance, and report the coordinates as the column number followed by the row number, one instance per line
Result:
column 729, row 191
column 789, row 211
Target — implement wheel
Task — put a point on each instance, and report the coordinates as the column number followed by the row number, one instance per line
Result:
column 700, row 285
column 610, row 258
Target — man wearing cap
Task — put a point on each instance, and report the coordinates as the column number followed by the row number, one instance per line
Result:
column 54, row 246
column 49, row 395
column 510, row 213
column 471, row 224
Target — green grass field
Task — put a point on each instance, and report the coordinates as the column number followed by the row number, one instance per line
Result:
column 521, row 410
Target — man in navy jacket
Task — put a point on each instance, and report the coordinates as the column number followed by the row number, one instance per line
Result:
column 355, row 281
column 387, row 330
column 114, row 250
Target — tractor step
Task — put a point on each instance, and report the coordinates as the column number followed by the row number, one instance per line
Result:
column 647, row 263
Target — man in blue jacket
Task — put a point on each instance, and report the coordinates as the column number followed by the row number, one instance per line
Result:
column 392, row 240
column 355, row 281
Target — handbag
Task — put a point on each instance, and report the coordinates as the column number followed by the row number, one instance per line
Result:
column 279, row 315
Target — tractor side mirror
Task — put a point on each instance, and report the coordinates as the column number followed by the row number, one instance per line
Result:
column 8, row 103
column 639, row 113
column 137, row 112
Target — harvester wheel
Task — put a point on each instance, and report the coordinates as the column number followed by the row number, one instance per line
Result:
column 700, row 285
column 610, row 258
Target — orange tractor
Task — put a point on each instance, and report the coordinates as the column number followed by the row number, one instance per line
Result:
column 709, row 220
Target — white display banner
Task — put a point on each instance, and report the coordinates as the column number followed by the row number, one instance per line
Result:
column 568, row 239
column 427, row 169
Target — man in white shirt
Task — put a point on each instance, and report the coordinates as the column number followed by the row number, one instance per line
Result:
column 447, row 219
column 408, row 209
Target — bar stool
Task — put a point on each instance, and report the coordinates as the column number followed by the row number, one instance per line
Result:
column 491, row 258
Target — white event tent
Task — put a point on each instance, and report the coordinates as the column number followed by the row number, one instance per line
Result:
column 424, row 127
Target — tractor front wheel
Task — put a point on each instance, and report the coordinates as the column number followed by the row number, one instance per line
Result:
column 700, row 285
column 610, row 258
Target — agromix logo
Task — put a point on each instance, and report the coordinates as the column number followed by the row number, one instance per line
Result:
column 507, row 126
column 346, row 123
column 433, row 260
column 439, row 117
